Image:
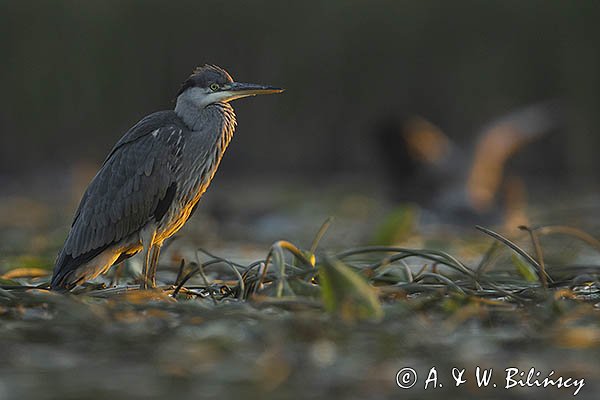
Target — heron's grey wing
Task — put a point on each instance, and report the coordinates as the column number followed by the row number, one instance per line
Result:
column 146, row 126
column 135, row 184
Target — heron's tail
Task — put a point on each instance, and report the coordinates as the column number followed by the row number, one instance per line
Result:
column 64, row 277
column 63, row 269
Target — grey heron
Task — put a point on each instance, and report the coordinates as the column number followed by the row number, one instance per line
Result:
column 152, row 180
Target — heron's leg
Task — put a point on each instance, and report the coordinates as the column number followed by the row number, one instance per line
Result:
column 147, row 237
column 145, row 269
column 153, row 265
column 114, row 281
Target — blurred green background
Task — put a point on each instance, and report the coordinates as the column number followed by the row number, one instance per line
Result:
column 75, row 75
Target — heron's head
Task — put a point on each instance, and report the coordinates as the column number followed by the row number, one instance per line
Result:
column 211, row 84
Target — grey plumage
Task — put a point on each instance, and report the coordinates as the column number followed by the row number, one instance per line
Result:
column 152, row 179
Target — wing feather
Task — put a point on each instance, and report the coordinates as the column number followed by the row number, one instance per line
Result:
column 125, row 193
column 112, row 209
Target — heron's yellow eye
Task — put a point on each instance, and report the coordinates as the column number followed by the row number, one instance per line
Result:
column 214, row 87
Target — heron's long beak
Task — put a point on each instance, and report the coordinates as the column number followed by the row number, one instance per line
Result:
column 238, row 90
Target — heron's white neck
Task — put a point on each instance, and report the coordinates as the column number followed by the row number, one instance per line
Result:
column 187, row 111
column 196, row 112
column 189, row 106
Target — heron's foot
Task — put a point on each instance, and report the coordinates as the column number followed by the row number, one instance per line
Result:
column 147, row 282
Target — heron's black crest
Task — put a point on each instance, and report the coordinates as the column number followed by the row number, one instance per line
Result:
column 205, row 75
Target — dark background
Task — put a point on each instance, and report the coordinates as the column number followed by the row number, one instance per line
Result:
column 76, row 75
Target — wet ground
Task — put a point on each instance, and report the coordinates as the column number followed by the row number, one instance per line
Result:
column 306, row 329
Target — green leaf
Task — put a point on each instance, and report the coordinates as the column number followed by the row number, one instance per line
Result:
column 304, row 289
column 346, row 293
column 397, row 227
column 8, row 282
column 524, row 269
